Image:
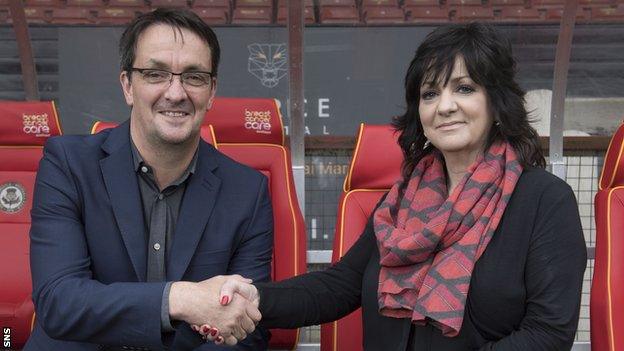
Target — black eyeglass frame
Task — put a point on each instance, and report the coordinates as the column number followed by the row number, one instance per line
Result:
column 181, row 74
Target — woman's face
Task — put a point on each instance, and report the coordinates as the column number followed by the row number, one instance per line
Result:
column 455, row 118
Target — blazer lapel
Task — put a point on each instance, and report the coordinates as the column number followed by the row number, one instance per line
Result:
column 199, row 199
column 123, row 191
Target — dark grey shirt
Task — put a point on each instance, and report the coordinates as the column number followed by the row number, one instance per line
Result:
column 160, row 212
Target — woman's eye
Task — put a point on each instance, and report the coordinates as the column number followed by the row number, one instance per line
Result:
column 465, row 89
column 428, row 95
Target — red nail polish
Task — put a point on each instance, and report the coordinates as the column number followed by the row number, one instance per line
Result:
column 205, row 329
column 213, row 332
column 224, row 300
column 220, row 339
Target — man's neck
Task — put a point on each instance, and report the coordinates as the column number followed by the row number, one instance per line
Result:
column 168, row 161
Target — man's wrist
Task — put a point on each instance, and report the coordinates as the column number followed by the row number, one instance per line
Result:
column 177, row 305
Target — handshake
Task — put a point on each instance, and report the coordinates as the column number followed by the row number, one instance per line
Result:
column 223, row 309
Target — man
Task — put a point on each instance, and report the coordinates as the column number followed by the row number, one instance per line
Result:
column 129, row 225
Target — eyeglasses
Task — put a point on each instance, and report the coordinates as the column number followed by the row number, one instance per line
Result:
column 195, row 79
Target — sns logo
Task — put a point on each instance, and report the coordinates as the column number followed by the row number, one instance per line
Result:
column 260, row 121
column 6, row 339
column 36, row 124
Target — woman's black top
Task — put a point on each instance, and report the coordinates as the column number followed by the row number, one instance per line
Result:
column 524, row 293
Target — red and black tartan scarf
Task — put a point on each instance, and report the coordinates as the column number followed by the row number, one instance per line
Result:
column 429, row 242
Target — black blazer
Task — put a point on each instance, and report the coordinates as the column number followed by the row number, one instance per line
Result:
column 524, row 293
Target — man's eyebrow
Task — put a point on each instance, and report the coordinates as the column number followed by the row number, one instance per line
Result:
column 161, row 65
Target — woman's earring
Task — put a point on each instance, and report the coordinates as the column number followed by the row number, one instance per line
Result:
column 427, row 143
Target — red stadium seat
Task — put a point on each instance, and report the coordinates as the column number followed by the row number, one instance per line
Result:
column 212, row 15
column 72, row 15
column 427, row 14
column 308, row 15
column 607, row 291
column 126, row 3
column 465, row 3
column 252, row 15
column 375, row 167
column 339, row 15
column 383, row 15
column 115, row 15
column 418, row 3
column 555, row 14
column 382, row 3
column 306, row 3
column 45, row 3
column 251, row 132
column 519, row 14
column 337, row 3
column 37, row 14
column 507, row 2
column 608, row 14
column 212, row 3
column 91, row 3
column 168, row 3
column 472, row 13
column 24, row 128
column 254, row 3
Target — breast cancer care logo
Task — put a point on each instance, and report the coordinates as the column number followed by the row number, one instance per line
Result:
column 268, row 63
column 12, row 197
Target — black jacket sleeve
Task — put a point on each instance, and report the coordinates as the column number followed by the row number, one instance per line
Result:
column 553, row 276
column 318, row 297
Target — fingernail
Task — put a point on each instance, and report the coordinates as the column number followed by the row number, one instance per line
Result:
column 219, row 339
column 205, row 329
column 224, row 300
column 213, row 332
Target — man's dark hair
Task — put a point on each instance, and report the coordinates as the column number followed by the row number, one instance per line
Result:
column 489, row 61
column 176, row 18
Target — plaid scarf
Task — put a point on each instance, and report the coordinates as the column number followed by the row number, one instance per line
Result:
column 429, row 243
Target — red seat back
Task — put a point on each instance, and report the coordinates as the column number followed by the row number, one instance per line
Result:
column 207, row 132
column 251, row 132
column 24, row 128
column 607, row 292
column 375, row 167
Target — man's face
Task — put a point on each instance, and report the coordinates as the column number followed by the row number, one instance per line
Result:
column 168, row 113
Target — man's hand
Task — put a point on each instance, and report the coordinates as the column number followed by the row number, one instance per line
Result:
column 199, row 303
column 233, row 289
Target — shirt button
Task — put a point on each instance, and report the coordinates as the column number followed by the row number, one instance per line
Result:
column 157, row 246
column 161, row 196
column 144, row 169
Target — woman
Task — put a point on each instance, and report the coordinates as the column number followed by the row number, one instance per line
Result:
column 478, row 247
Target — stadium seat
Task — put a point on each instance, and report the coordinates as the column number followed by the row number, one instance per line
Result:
column 339, row 15
column 507, row 2
column 24, row 128
column 518, row 14
column 464, row 3
column 337, row 3
column 254, row 3
column 308, row 15
column 252, row 15
column 127, row 3
column 555, row 14
column 115, row 15
column 383, row 15
column 375, row 167
column 419, row 3
column 608, row 14
column 382, row 3
column 45, row 3
column 90, row 3
column 72, row 15
column 168, row 3
column 212, row 15
column 251, row 132
column 212, row 3
column 607, row 290
column 36, row 14
column 472, row 13
column 427, row 14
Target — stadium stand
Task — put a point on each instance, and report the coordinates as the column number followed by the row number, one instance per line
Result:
column 383, row 15
column 339, row 15
column 375, row 167
column 252, row 15
column 24, row 128
column 607, row 291
column 308, row 15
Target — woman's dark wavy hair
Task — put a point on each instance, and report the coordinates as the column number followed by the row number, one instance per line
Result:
column 488, row 59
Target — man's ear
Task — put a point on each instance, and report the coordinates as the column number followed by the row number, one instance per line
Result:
column 126, row 86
